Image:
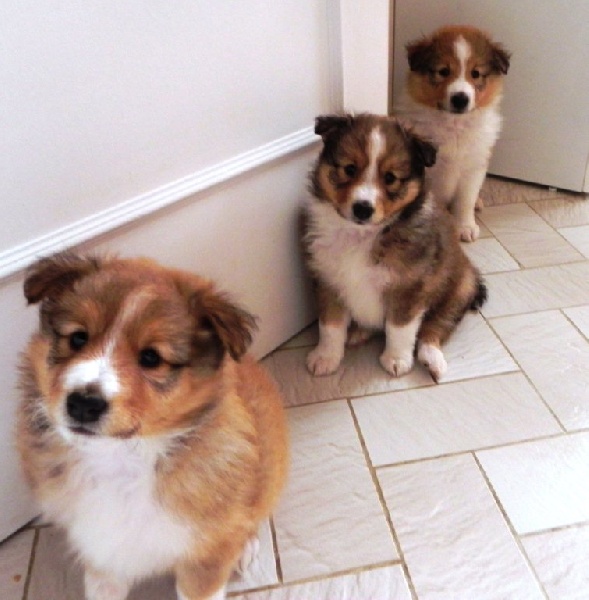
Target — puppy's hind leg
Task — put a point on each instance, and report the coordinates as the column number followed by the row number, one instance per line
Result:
column 100, row 586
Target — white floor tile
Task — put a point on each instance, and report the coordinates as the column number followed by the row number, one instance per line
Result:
column 14, row 563
column 450, row 418
column 386, row 583
column 527, row 236
column 561, row 559
column 577, row 237
column 307, row 337
column 537, row 289
column 542, row 484
column 453, row 536
column 359, row 374
column 473, row 350
column 556, row 358
column 330, row 518
column 490, row 256
column 564, row 211
column 580, row 317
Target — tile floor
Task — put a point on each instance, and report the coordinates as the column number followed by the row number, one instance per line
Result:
column 476, row 488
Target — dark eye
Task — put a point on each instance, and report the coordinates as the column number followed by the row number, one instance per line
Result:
column 78, row 339
column 389, row 178
column 350, row 170
column 149, row 358
column 475, row 73
column 444, row 72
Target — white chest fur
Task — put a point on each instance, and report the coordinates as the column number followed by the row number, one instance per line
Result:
column 111, row 511
column 340, row 255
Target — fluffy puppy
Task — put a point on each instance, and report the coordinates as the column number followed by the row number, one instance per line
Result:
column 382, row 253
column 452, row 97
column 144, row 430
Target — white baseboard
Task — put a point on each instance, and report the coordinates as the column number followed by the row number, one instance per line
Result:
column 19, row 257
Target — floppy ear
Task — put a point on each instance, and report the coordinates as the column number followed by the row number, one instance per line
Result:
column 422, row 149
column 499, row 59
column 420, row 55
column 327, row 125
column 230, row 325
column 53, row 275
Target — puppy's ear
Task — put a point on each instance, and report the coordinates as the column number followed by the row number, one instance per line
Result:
column 327, row 125
column 51, row 276
column 423, row 150
column 499, row 59
column 230, row 325
column 421, row 55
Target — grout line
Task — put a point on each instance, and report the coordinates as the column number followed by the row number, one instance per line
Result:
column 509, row 524
column 317, row 578
column 276, row 552
column 578, row 525
column 561, row 310
column 382, row 501
column 412, row 461
column 31, row 563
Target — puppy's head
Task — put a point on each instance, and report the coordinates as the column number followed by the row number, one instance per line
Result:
column 456, row 69
column 370, row 168
column 130, row 348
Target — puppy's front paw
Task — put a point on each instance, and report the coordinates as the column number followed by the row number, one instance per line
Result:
column 396, row 365
column 433, row 359
column 249, row 555
column 321, row 362
column 103, row 587
column 468, row 233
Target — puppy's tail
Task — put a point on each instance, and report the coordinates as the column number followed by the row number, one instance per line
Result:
column 480, row 296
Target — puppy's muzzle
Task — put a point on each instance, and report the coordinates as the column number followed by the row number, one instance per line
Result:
column 362, row 211
column 85, row 407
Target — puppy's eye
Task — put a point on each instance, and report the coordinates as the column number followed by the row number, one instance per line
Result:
column 78, row 339
column 444, row 72
column 350, row 170
column 475, row 73
column 149, row 358
column 389, row 178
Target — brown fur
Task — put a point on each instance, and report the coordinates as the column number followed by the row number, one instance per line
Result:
column 227, row 462
column 429, row 56
column 415, row 245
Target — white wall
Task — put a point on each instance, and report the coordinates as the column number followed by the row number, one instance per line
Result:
column 180, row 130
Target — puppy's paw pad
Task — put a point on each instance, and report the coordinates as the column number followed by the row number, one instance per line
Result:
column 320, row 362
column 249, row 555
column 469, row 233
column 433, row 359
column 359, row 336
column 397, row 366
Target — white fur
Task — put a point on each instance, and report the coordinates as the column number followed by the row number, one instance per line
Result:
column 367, row 189
column 463, row 52
column 340, row 253
column 464, row 142
column 112, row 514
column 397, row 357
column 433, row 358
column 99, row 371
column 326, row 357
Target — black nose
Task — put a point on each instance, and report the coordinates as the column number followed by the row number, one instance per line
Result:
column 459, row 101
column 85, row 407
column 362, row 210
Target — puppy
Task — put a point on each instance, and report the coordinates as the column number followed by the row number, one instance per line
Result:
column 144, row 430
column 382, row 253
column 452, row 98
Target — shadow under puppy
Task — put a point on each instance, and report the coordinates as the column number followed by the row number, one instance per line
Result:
column 383, row 254
column 144, row 429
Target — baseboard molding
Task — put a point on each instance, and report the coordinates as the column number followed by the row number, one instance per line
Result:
column 19, row 257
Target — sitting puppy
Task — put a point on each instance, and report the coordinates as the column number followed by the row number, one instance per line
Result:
column 382, row 253
column 452, row 98
column 144, row 431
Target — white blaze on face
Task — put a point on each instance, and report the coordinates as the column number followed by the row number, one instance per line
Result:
column 463, row 53
column 97, row 371
column 368, row 189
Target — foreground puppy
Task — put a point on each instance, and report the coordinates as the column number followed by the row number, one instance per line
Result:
column 452, row 98
column 381, row 251
column 143, row 429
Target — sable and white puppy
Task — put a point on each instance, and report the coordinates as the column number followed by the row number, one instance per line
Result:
column 452, row 97
column 144, row 430
column 382, row 253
